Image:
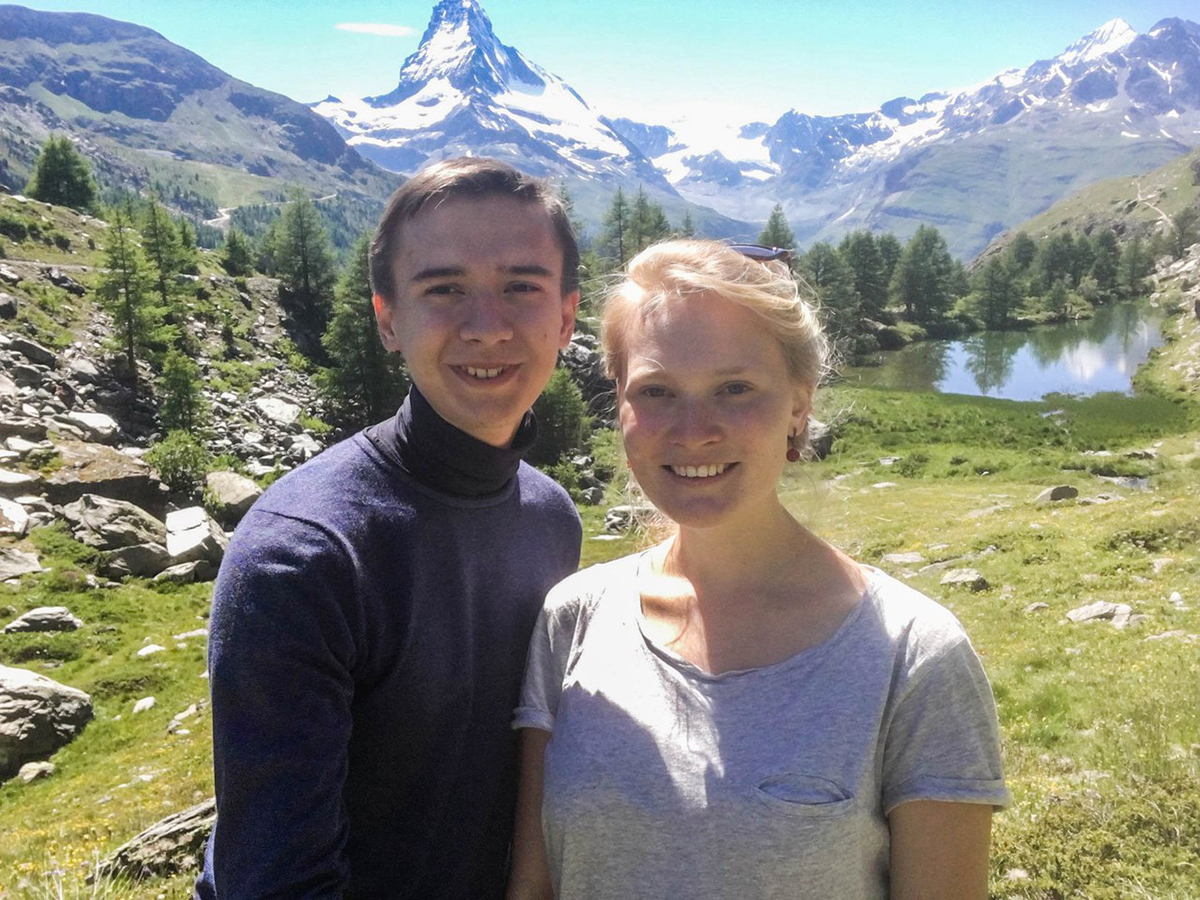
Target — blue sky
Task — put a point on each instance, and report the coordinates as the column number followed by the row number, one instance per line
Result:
column 647, row 58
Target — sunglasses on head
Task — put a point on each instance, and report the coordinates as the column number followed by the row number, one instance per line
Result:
column 764, row 254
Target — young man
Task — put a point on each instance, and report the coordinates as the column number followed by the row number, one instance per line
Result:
column 372, row 614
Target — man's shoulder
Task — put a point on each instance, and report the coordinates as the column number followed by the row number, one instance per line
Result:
column 539, row 488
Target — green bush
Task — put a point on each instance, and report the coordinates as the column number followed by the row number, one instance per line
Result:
column 181, row 461
column 563, row 422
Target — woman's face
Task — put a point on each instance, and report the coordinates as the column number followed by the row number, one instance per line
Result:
column 706, row 406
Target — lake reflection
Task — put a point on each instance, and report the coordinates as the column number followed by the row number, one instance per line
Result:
column 1086, row 357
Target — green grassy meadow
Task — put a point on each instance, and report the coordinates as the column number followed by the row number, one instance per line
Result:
column 1101, row 726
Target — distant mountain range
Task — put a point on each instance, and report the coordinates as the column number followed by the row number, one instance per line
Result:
column 973, row 162
column 150, row 113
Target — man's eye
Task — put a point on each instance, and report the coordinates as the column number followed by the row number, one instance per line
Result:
column 524, row 287
column 442, row 289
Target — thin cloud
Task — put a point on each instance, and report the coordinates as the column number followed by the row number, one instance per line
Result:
column 375, row 28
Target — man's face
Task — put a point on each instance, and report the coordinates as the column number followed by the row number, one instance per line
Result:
column 479, row 312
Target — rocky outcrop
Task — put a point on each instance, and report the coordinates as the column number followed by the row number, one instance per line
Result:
column 231, row 495
column 193, row 536
column 102, row 471
column 37, row 716
column 45, row 618
column 173, row 845
column 107, row 524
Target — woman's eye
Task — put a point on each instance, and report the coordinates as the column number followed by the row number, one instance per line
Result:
column 737, row 387
column 653, row 390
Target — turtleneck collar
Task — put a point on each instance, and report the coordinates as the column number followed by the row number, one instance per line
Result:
column 445, row 458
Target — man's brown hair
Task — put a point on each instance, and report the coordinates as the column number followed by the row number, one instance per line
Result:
column 468, row 176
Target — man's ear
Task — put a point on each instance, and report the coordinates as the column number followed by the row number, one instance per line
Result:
column 383, row 321
column 570, row 308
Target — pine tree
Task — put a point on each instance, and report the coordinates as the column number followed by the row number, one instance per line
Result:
column 824, row 270
column 181, row 404
column 616, row 223
column 366, row 382
column 305, row 263
column 923, row 280
column 127, row 292
column 568, row 202
column 1185, row 231
column 188, row 256
column 1107, row 263
column 160, row 243
column 647, row 224
column 1135, row 266
column 687, row 228
column 890, row 250
column 562, row 420
column 1022, row 250
column 62, row 176
column 236, row 258
column 996, row 297
column 777, row 232
column 861, row 251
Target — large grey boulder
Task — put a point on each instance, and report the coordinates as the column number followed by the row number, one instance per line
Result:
column 45, row 618
column 1055, row 494
column 100, row 470
column 37, row 716
column 111, row 524
column 278, row 411
column 34, row 352
column 140, row 560
column 232, row 495
column 192, row 536
column 168, row 847
column 14, row 520
column 965, row 578
column 8, row 306
column 94, row 426
column 14, row 484
column 820, row 438
column 14, row 563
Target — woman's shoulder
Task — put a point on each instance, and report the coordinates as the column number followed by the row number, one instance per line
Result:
column 582, row 592
column 909, row 616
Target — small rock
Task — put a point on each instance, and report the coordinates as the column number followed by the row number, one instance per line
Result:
column 150, row 649
column 8, row 306
column 968, row 578
column 45, row 618
column 34, row 770
column 13, row 518
column 909, row 558
column 880, row 485
column 1016, row 875
column 1099, row 610
column 1176, row 598
column 14, row 563
column 146, row 703
column 1036, row 607
column 1055, row 494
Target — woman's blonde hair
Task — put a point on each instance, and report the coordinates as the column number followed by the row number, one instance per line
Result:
column 676, row 269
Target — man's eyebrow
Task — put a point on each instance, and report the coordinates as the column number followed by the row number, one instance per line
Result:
column 529, row 270
column 444, row 272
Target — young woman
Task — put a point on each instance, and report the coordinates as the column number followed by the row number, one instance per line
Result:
column 742, row 711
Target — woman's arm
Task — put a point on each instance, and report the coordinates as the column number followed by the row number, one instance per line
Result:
column 529, row 878
column 940, row 850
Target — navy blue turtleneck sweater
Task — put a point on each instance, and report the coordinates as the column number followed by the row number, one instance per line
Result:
column 368, row 636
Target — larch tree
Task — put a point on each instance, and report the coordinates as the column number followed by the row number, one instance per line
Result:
column 236, row 256
column 365, row 382
column 62, row 176
column 613, row 231
column 181, row 403
column 861, row 252
column 924, row 278
column 127, row 293
column 160, row 243
column 304, row 259
column 777, row 232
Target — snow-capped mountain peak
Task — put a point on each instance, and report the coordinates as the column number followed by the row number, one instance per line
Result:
column 464, row 91
column 1110, row 37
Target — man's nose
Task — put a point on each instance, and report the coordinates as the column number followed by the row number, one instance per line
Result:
column 486, row 319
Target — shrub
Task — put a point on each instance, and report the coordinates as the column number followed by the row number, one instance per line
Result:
column 181, row 461
column 562, row 421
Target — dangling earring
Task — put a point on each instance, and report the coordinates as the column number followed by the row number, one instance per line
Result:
column 793, row 455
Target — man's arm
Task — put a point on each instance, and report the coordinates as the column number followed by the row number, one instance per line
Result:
column 280, row 656
column 939, row 850
column 529, row 878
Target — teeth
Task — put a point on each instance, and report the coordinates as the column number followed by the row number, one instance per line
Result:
column 482, row 373
column 700, row 471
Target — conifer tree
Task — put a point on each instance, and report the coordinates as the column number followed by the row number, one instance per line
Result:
column 861, row 251
column 160, row 243
column 181, row 404
column 777, row 232
column 824, row 269
column 1107, row 263
column 236, row 258
column 890, row 250
column 562, row 420
column 1135, row 266
column 996, row 297
column 1185, row 231
column 616, row 223
column 305, row 262
column 62, row 176
column 687, row 228
column 1022, row 250
column 365, row 382
column 188, row 262
column 127, row 293
column 923, row 280
column 647, row 224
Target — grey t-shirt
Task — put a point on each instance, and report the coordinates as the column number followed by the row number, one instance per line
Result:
column 662, row 780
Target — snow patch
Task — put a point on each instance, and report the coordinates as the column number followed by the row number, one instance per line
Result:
column 1129, row 134
column 1108, row 38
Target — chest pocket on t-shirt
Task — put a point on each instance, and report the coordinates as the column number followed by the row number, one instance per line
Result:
column 797, row 794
